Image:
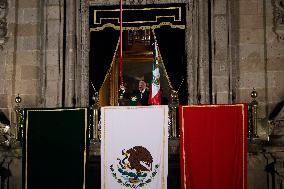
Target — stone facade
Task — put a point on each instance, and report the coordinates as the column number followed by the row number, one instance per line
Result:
column 241, row 52
column 232, row 47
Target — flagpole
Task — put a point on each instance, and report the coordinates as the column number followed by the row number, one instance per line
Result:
column 120, row 57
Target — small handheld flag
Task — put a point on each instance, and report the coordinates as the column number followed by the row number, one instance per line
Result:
column 155, row 93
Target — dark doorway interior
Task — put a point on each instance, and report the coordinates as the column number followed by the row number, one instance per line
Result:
column 172, row 49
column 166, row 21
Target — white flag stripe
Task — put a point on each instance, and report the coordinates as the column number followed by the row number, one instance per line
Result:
column 124, row 128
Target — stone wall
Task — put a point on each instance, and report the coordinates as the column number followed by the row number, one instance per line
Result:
column 42, row 59
column 223, row 53
column 52, row 53
column 251, row 62
column 20, row 65
column 260, row 57
column 20, row 68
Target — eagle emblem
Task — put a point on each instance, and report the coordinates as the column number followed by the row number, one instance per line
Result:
column 134, row 168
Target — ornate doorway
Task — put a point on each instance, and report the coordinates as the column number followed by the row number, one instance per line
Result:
column 140, row 23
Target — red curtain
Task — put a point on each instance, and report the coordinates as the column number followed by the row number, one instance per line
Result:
column 213, row 144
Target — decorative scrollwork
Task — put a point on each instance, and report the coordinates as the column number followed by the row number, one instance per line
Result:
column 4, row 135
column 280, row 4
column 140, row 2
column 3, row 9
column 135, row 2
column 278, row 13
column 3, row 22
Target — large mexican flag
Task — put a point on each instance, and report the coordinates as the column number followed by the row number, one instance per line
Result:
column 134, row 147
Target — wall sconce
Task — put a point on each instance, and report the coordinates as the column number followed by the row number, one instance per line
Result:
column 254, row 108
column 3, row 22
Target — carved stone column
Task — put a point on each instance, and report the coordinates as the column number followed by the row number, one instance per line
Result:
column 77, row 53
column 222, row 52
column 191, row 60
column 65, row 53
column 70, row 52
column 197, row 43
column 84, row 55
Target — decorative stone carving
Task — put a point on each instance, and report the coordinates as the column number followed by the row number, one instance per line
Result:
column 276, row 122
column 278, row 13
column 139, row 2
column 3, row 22
column 277, row 135
column 275, row 146
column 135, row 2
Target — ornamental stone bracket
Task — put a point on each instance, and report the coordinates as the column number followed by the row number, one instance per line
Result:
column 278, row 20
column 3, row 22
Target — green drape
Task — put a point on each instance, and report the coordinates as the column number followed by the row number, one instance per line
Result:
column 55, row 148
